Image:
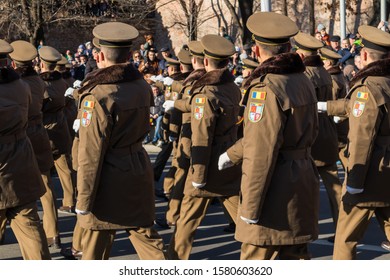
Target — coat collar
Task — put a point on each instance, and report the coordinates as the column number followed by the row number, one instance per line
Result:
column 26, row 72
column 313, row 61
column 194, row 76
column 214, row 77
column 285, row 63
column 51, row 76
column 7, row 75
column 378, row 68
column 119, row 73
column 180, row 76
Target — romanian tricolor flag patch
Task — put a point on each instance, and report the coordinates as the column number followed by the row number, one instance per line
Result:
column 89, row 104
column 200, row 100
column 259, row 95
column 362, row 95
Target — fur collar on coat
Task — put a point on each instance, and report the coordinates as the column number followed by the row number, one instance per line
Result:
column 285, row 63
column 119, row 73
column 51, row 76
column 378, row 68
column 214, row 77
column 194, row 76
column 313, row 61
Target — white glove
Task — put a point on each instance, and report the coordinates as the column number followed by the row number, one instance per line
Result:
column 77, row 84
column 172, row 139
column 322, row 106
column 249, row 221
column 160, row 78
column 153, row 78
column 69, row 92
column 336, row 119
column 168, row 105
column 197, row 185
column 238, row 80
column 353, row 190
column 81, row 212
column 76, row 125
column 224, row 161
column 168, row 81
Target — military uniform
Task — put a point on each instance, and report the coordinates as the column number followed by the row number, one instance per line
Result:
column 339, row 91
column 214, row 110
column 366, row 190
column 56, row 125
column 279, row 198
column 183, row 153
column 325, row 148
column 114, row 178
column 20, row 181
column 22, row 55
column 70, row 109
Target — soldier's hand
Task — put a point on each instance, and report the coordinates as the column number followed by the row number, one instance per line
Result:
column 224, row 161
column 238, row 81
column 82, row 212
column 336, row 119
column 168, row 81
column 160, row 78
column 153, row 78
column 198, row 185
column 322, row 107
column 69, row 92
column 168, row 105
column 172, row 139
column 352, row 190
column 249, row 221
column 77, row 84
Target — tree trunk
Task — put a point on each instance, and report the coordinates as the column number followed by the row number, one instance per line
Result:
column 246, row 8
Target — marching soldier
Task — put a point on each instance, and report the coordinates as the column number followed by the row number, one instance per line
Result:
column 339, row 91
column 55, row 123
column 214, row 109
column 325, row 148
column 278, row 211
column 22, row 57
column 366, row 190
column 175, row 120
column 184, row 142
column 20, row 182
column 114, row 177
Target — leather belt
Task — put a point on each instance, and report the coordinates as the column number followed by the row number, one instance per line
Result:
column 304, row 153
column 12, row 138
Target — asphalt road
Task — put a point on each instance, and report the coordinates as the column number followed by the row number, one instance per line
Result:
column 211, row 242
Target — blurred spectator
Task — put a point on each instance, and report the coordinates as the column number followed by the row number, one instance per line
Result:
column 69, row 56
column 234, row 65
column 81, row 49
column 88, row 50
column 324, row 34
column 318, row 36
column 156, row 114
column 150, row 64
column 103, row 8
column 142, row 50
column 162, row 65
column 91, row 63
column 137, row 58
column 40, row 44
column 77, row 59
column 79, row 71
column 149, row 42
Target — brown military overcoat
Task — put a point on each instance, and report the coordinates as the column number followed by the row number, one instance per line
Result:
column 183, row 105
column 214, row 110
column 53, row 113
column 20, row 179
column 339, row 91
column 115, row 176
column 325, row 148
column 35, row 131
column 369, row 136
column 280, row 185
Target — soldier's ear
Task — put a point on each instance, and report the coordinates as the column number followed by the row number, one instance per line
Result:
column 13, row 64
column 206, row 61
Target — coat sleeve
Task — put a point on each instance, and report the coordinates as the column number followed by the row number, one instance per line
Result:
column 94, row 132
column 263, row 137
column 203, row 122
column 363, row 127
column 236, row 152
column 338, row 107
